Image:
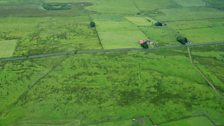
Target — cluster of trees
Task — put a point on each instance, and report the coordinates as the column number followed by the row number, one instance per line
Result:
column 183, row 40
column 92, row 24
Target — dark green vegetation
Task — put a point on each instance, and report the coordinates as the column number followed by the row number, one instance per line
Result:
column 183, row 40
column 92, row 24
column 158, row 24
column 177, row 86
column 57, row 6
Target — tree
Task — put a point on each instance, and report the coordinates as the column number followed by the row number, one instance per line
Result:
column 92, row 24
column 139, row 13
column 145, row 45
column 183, row 40
column 158, row 24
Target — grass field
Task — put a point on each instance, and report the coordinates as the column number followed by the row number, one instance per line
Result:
column 48, row 35
column 7, row 48
column 139, row 84
column 195, row 121
column 191, row 3
column 161, row 35
column 137, row 88
column 211, row 62
column 118, row 32
column 140, row 21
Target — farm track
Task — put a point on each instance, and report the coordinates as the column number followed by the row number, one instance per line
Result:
column 199, row 71
column 76, row 52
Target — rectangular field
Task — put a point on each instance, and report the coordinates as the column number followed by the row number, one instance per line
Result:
column 161, row 35
column 41, row 35
column 7, row 48
column 118, row 32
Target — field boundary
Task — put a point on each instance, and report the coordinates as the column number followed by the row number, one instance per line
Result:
column 76, row 52
column 97, row 34
column 201, row 73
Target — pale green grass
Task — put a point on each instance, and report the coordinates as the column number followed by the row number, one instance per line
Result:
column 114, row 7
column 140, row 21
column 121, row 39
column 161, row 35
column 103, row 26
column 191, row 3
column 173, row 14
column 149, row 5
column 7, row 48
column 118, row 32
column 194, row 121
column 196, row 24
column 203, row 35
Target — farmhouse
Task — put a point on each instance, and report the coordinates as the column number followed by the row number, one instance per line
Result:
column 146, row 43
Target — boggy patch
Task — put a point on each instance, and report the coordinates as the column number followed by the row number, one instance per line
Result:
column 65, row 6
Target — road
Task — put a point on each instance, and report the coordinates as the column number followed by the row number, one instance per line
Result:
column 104, row 51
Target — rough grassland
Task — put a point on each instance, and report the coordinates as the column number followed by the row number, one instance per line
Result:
column 125, row 86
column 211, row 62
column 111, row 89
column 37, row 35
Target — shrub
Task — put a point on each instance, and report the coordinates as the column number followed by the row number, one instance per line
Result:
column 139, row 13
column 92, row 24
column 183, row 40
column 145, row 45
column 158, row 24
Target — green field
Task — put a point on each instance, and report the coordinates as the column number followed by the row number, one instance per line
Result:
column 191, row 3
column 7, row 48
column 118, row 32
column 164, row 85
column 140, row 21
column 195, row 121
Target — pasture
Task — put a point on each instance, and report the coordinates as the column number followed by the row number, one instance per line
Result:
column 7, row 48
column 123, row 88
column 194, row 121
column 118, row 32
column 140, row 21
column 135, row 88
